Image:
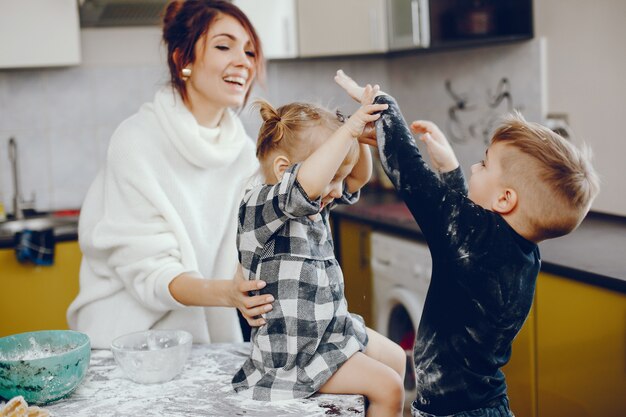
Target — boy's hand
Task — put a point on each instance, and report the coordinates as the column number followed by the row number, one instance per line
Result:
column 366, row 113
column 439, row 150
column 352, row 88
column 368, row 136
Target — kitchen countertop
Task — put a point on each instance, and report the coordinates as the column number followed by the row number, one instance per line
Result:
column 203, row 389
column 65, row 233
column 62, row 236
column 594, row 253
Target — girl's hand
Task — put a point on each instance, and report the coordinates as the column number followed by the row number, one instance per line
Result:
column 366, row 113
column 250, row 306
column 439, row 150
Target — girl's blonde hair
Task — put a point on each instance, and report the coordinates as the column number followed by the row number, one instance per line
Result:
column 292, row 129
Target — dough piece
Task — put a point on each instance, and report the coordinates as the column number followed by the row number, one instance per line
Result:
column 16, row 407
column 35, row 411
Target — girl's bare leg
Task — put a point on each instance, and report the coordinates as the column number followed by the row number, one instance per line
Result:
column 384, row 350
column 364, row 375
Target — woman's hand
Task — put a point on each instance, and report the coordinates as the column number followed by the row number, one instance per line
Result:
column 439, row 150
column 251, row 307
column 191, row 290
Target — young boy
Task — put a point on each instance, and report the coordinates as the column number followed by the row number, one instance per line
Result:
column 532, row 185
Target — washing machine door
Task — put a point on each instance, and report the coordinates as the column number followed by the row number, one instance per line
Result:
column 399, row 313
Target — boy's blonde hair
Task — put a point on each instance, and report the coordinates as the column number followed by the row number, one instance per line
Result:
column 292, row 129
column 555, row 180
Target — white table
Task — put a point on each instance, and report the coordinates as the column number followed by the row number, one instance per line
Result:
column 203, row 389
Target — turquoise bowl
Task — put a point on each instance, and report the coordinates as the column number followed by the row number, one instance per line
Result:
column 43, row 366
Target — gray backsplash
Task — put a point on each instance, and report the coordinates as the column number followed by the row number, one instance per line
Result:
column 62, row 119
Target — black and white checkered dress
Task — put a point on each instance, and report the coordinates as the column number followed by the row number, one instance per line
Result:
column 309, row 333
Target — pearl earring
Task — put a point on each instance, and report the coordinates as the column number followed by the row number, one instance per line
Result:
column 186, row 72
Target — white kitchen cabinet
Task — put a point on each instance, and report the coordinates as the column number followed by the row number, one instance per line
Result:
column 342, row 27
column 276, row 24
column 39, row 33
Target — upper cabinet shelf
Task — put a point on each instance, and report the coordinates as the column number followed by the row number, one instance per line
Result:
column 472, row 22
column 39, row 33
column 306, row 28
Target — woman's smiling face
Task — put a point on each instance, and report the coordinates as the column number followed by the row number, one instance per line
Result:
column 225, row 66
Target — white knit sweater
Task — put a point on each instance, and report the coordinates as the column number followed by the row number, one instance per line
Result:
column 164, row 203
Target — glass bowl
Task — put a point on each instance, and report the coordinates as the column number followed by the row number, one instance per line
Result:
column 152, row 356
column 43, row 366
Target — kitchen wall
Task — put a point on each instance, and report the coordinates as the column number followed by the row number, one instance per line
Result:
column 418, row 83
column 63, row 118
column 586, row 63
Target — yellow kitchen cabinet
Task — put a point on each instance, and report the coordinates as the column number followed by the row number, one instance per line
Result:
column 36, row 297
column 581, row 349
column 354, row 241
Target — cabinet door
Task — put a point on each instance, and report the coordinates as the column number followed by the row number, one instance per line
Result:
column 39, row 33
column 581, row 349
column 275, row 23
column 36, row 297
column 354, row 242
column 342, row 27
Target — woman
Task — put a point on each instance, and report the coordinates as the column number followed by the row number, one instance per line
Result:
column 158, row 225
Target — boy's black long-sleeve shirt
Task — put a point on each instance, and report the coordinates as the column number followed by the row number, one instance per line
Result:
column 482, row 285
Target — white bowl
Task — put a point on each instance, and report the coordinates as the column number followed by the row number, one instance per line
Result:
column 152, row 356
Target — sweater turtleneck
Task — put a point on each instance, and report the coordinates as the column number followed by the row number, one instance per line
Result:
column 202, row 146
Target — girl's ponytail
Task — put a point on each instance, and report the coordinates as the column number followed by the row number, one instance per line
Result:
column 272, row 130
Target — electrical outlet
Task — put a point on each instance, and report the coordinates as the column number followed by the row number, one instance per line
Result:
column 559, row 123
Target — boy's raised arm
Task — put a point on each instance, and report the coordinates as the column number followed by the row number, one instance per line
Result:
column 428, row 198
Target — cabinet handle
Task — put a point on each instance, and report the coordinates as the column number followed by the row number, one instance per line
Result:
column 424, row 23
column 383, row 262
column 287, row 36
column 415, row 22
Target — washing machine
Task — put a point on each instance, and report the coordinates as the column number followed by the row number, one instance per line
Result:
column 401, row 270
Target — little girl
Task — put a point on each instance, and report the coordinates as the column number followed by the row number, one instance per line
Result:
column 310, row 342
